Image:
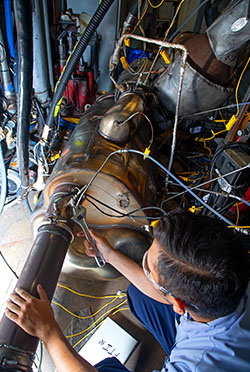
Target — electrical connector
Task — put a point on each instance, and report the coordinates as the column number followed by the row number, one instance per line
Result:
column 166, row 58
column 127, row 42
column 146, row 152
column 154, row 223
column 124, row 62
column 231, row 122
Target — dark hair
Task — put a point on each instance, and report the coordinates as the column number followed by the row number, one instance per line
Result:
column 204, row 263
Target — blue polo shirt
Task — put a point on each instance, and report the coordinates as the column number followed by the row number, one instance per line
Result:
column 220, row 345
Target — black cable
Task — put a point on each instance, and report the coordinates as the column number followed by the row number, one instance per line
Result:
column 23, row 10
column 126, row 214
column 122, row 215
column 13, row 272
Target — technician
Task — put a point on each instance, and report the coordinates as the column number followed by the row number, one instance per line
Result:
column 191, row 293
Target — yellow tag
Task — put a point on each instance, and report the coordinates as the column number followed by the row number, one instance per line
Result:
column 146, row 152
column 57, row 156
column 184, row 178
column 124, row 63
column 154, row 223
column 127, row 42
column 192, row 209
column 164, row 55
column 231, row 122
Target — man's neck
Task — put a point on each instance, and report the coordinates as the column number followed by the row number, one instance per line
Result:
column 200, row 319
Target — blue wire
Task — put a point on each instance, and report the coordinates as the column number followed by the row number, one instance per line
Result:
column 180, row 183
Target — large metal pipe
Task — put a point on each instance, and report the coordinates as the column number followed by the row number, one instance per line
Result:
column 5, row 71
column 43, row 265
column 48, row 44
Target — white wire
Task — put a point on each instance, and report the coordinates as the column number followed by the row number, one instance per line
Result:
column 209, row 181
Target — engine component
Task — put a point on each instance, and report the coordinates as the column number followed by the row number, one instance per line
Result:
column 122, row 120
column 120, row 188
column 234, row 25
column 198, row 93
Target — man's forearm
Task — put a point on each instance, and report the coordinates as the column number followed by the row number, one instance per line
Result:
column 65, row 358
column 134, row 273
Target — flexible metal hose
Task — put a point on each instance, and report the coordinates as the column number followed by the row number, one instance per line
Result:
column 81, row 46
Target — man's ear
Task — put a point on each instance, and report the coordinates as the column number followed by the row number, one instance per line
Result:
column 178, row 306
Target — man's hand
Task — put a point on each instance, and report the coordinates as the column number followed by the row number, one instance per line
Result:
column 35, row 316
column 102, row 244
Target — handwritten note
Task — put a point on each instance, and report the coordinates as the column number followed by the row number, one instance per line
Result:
column 110, row 340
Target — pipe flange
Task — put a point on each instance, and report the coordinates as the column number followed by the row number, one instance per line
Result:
column 60, row 223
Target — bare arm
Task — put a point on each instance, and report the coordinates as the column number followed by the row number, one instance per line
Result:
column 36, row 317
column 125, row 265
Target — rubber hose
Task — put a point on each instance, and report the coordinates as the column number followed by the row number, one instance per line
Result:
column 23, row 18
column 134, row 9
column 9, row 29
column 81, row 46
column 3, row 179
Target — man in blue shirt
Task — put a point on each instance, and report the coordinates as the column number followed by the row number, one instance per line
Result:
column 190, row 293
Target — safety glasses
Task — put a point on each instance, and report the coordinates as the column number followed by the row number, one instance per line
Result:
column 147, row 273
column 162, row 289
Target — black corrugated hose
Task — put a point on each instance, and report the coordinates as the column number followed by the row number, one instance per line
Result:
column 81, row 46
column 23, row 17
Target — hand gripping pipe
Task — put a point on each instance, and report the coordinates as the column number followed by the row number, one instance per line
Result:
column 23, row 18
column 43, row 266
column 76, row 55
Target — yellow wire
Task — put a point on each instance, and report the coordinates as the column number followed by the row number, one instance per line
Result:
column 237, row 87
column 208, row 139
column 173, row 20
column 137, row 24
column 142, row 31
column 207, row 148
column 88, row 316
column 155, row 6
column 78, row 342
column 239, row 203
column 96, row 321
column 125, row 308
column 84, row 295
column 239, row 227
column 221, row 116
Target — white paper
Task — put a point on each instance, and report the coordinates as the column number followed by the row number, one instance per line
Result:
column 109, row 340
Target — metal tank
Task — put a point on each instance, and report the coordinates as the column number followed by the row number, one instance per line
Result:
column 124, row 185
